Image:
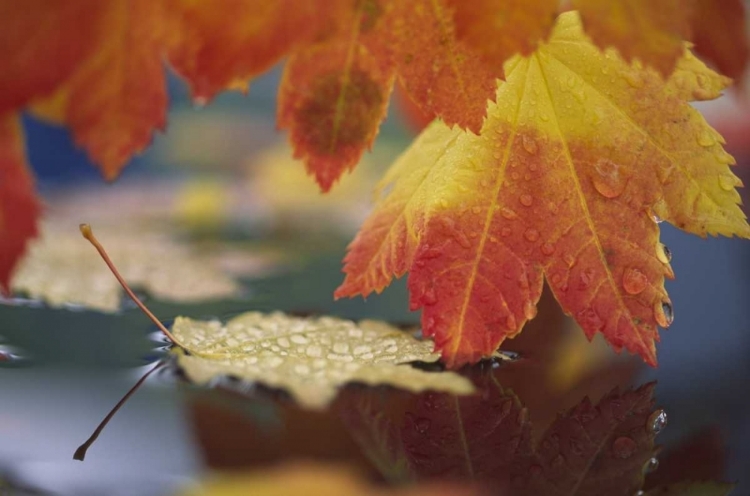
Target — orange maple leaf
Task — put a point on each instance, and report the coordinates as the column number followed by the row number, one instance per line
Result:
column 19, row 208
column 652, row 31
column 580, row 152
column 720, row 36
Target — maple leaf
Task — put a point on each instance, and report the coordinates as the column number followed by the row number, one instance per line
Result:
column 117, row 96
column 487, row 438
column 19, row 208
column 480, row 221
column 59, row 270
column 650, row 31
column 309, row 358
column 335, row 93
column 719, row 35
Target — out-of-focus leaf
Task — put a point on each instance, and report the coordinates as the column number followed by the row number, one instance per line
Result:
column 311, row 480
column 19, row 207
column 589, row 450
column 720, row 35
column 60, row 268
column 693, row 489
column 117, row 96
column 653, row 32
column 309, row 357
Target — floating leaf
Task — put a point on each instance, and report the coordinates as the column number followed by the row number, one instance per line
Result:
column 310, row 358
column 59, row 269
column 573, row 163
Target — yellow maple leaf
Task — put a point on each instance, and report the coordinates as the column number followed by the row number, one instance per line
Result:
column 580, row 155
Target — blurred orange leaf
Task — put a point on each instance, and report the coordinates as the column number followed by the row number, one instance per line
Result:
column 19, row 208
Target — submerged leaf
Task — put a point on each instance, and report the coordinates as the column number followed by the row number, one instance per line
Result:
column 576, row 160
column 310, row 358
column 59, row 268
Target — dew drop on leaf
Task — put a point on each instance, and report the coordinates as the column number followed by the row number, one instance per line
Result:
column 508, row 213
column 587, row 275
column 529, row 310
column 529, row 144
column 663, row 313
column 531, row 235
column 526, row 200
column 657, row 421
column 422, row 425
column 651, row 465
column 607, row 180
column 727, row 182
column 658, row 211
column 706, row 139
column 624, row 447
column 663, row 253
column 505, row 231
column 510, row 322
column 548, row 249
column 634, row 281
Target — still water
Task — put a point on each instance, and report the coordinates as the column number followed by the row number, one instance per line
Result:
column 558, row 418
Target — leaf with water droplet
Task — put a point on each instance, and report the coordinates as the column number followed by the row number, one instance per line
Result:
column 318, row 355
column 605, row 179
column 148, row 259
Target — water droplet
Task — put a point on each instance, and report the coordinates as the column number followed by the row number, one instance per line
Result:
column 508, row 213
column 706, row 139
column 422, row 425
column 657, row 421
column 634, row 79
column 314, row 351
column 531, row 235
column 608, row 180
column 663, row 253
column 526, row 200
column 283, row 342
column 587, row 275
column 624, row 447
column 651, row 465
column 663, row 313
column 505, row 231
column 341, row 348
column 548, row 249
column 640, row 493
column 429, row 297
column 515, row 176
column 529, row 144
column 589, row 320
column 727, row 182
column 659, row 211
column 510, row 322
column 529, row 310
column 634, row 281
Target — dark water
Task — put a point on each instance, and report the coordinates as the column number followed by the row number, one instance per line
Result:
column 61, row 371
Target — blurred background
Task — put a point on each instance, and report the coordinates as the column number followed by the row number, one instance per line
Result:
column 222, row 184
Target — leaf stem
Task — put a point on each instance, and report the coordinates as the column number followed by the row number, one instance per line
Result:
column 89, row 235
column 80, row 453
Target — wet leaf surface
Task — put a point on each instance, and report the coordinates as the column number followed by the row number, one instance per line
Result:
column 60, row 269
column 309, row 357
